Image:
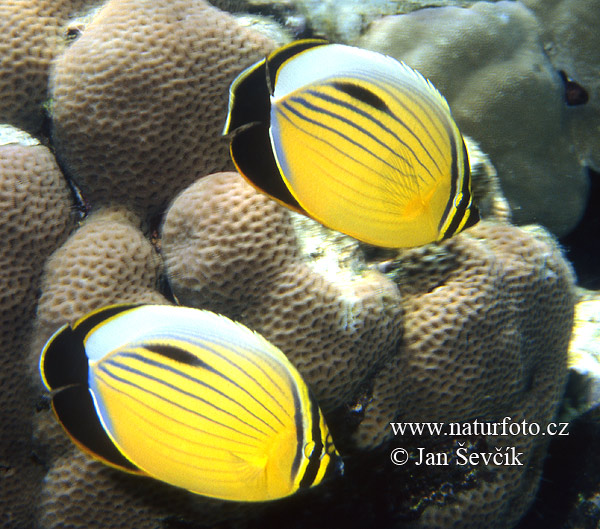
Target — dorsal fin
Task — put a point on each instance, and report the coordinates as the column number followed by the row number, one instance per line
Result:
column 85, row 325
column 279, row 57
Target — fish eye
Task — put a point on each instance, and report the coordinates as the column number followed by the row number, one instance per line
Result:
column 309, row 448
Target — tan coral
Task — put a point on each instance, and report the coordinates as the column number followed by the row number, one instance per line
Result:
column 32, row 33
column 36, row 208
column 488, row 321
column 79, row 492
column 107, row 260
column 232, row 250
column 140, row 99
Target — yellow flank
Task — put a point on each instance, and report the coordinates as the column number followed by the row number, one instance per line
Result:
column 363, row 143
column 382, row 176
column 197, row 401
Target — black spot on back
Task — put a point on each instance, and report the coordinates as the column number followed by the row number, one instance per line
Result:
column 362, row 94
column 175, row 353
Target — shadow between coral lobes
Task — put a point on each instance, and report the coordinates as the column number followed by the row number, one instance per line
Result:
column 582, row 245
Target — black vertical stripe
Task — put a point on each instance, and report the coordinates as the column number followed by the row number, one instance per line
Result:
column 177, row 354
column 278, row 58
column 76, row 412
column 234, row 349
column 315, row 108
column 362, row 94
column 426, row 104
column 299, row 431
column 463, row 207
column 143, row 403
column 254, row 159
column 64, row 361
column 342, row 152
column 314, row 460
column 249, row 99
column 359, row 145
column 203, row 365
column 231, row 348
column 453, row 183
column 384, row 108
column 113, row 363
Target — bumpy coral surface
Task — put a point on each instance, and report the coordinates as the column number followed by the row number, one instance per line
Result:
column 486, row 327
column 475, row 327
column 489, row 62
column 32, row 34
column 232, row 250
column 140, row 99
column 36, row 217
column 107, row 260
column 488, row 319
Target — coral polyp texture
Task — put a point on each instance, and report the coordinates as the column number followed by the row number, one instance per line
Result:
column 138, row 101
column 475, row 327
column 233, row 250
column 36, row 208
column 487, row 326
column 32, row 34
column 107, row 260
column 487, row 319
column 490, row 63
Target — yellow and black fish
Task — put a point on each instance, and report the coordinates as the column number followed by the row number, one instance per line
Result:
column 188, row 397
column 354, row 139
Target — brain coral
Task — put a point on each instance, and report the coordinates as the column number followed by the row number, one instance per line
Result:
column 232, row 250
column 36, row 217
column 107, row 260
column 32, row 33
column 489, row 62
column 447, row 332
column 487, row 320
column 139, row 100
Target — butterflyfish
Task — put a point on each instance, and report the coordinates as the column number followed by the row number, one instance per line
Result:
column 354, row 139
column 188, row 397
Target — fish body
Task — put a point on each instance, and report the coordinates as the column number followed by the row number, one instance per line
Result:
column 356, row 140
column 188, row 397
